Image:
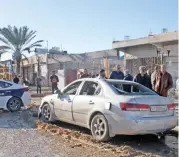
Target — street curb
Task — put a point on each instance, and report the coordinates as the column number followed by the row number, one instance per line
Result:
column 41, row 95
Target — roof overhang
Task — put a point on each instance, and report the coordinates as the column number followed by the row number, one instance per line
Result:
column 164, row 38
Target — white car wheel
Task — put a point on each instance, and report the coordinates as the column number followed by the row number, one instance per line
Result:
column 99, row 128
column 46, row 113
column 14, row 104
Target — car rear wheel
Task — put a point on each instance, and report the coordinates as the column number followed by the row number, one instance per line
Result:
column 14, row 104
column 46, row 113
column 99, row 128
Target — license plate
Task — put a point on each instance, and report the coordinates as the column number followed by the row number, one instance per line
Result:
column 158, row 108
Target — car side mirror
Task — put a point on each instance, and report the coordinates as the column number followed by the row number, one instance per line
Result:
column 58, row 91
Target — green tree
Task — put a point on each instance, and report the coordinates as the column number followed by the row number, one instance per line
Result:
column 17, row 41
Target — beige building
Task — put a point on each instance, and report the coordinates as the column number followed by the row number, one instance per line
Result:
column 66, row 64
column 146, row 48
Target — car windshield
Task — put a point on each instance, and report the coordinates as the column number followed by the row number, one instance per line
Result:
column 130, row 89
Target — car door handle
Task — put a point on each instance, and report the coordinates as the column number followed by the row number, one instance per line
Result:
column 91, row 102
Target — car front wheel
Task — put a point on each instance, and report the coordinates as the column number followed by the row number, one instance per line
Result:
column 14, row 104
column 46, row 114
column 99, row 128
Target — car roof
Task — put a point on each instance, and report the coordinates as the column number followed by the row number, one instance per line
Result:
column 7, row 81
column 108, row 80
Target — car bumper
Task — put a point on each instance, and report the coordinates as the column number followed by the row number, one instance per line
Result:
column 140, row 126
column 26, row 99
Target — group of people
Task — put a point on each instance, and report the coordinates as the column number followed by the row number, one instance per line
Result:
column 54, row 82
column 53, row 78
column 159, row 81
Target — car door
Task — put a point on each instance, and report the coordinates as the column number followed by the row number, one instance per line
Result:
column 89, row 97
column 5, row 92
column 63, row 104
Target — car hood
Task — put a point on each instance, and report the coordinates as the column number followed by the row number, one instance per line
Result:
column 48, row 97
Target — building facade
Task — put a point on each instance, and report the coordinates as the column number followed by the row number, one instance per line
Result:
column 150, row 51
column 67, row 66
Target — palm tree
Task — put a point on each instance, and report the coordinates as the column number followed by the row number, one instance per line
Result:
column 17, row 41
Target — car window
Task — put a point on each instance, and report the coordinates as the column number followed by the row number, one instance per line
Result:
column 72, row 89
column 90, row 88
column 130, row 89
column 5, row 84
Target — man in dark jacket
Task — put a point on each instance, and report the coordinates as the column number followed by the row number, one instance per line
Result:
column 16, row 79
column 127, row 77
column 54, row 80
column 141, row 77
column 149, row 83
column 118, row 74
column 38, row 84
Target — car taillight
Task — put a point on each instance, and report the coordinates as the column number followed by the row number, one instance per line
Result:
column 171, row 106
column 134, row 107
column 26, row 89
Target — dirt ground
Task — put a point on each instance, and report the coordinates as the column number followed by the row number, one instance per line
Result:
column 20, row 138
column 146, row 143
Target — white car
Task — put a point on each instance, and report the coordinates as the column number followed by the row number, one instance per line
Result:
column 109, row 108
column 13, row 96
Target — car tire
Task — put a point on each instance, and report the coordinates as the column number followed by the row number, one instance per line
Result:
column 46, row 112
column 14, row 104
column 99, row 128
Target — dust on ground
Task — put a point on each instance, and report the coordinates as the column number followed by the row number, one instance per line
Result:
column 20, row 138
column 146, row 143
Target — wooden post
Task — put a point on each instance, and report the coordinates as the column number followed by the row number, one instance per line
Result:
column 106, row 66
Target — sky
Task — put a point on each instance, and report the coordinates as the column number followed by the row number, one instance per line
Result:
column 80, row 26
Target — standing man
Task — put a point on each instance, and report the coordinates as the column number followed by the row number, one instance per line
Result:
column 118, row 74
column 141, row 77
column 149, row 84
column 127, row 77
column 38, row 83
column 102, row 74
column 85, row 74
column 153, row 75
column 163, row 82
column 54, row 80
column 16, row 79
column 80, row 74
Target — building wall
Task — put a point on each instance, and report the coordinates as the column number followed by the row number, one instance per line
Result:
column 172, row 67
column 163, row 37
column 145, row 51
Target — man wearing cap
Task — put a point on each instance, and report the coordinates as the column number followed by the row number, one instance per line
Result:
column 54, row 80
column 118, row 74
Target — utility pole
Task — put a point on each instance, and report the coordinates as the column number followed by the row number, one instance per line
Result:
column 47, row 65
